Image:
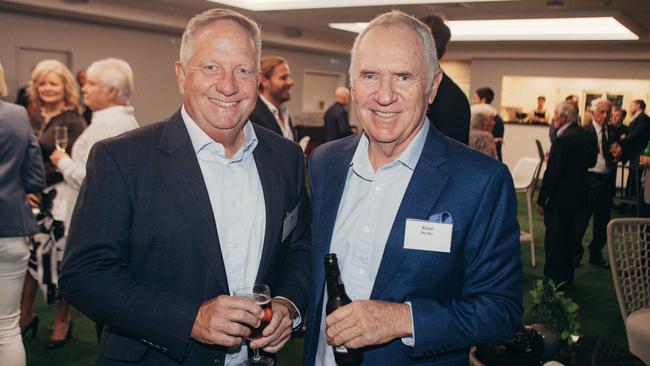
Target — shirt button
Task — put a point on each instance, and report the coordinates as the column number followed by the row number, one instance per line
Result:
column 367, row 229
column 378, row 188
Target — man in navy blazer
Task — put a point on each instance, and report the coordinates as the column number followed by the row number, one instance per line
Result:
column 424, row 228
column 174, row 216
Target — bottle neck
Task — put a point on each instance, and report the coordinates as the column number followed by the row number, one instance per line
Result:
column 334, row 283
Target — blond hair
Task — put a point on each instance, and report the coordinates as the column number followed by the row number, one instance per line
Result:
column 3, row 85
column 70, row 90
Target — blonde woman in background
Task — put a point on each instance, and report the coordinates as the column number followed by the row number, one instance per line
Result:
column 21, row 172
column 54, row 91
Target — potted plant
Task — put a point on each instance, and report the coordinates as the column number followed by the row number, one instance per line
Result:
column 554, row 314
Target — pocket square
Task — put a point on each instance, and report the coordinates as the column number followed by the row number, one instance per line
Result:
column 442, row 218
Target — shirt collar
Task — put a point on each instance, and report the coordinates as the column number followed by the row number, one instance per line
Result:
column 409, row 158
column 563, row 128
column 122, row 109
column 202, row 142
column 597, row 127
column 283, row 107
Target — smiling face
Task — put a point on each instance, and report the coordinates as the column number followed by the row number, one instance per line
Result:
column 219, row 81
column 277, row 88
column 389, row 87
column 51, row 90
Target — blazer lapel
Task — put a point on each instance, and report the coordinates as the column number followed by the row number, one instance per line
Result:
column 426, row 184
column 335, row 176
column 179, row 171
column 271, row 186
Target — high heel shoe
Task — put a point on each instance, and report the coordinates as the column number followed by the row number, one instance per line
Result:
column 60, row 343
column 33, row 326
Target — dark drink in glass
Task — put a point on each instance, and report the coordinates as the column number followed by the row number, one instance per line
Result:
column 336, row 297
column 260, row 294
column 265, row 303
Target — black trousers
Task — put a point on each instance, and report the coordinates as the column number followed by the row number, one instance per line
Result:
column 560, row 242
column 601, row 189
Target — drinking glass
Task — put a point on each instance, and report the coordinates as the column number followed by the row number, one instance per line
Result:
column 61, row 137
column 261, row 295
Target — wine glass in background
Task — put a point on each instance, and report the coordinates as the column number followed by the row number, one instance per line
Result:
column 261, row 295
column 61, row 137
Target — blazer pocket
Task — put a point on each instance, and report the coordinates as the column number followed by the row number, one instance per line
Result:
column 123, row 348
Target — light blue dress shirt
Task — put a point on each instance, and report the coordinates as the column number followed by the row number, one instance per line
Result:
column 366, row 213
column 237, row 201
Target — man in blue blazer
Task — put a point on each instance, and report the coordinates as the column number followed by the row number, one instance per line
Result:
column 174, row 216
column 424, row 228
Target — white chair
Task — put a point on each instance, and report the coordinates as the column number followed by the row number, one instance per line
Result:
column 524, row 176
column 304, row 142
column 628, row 242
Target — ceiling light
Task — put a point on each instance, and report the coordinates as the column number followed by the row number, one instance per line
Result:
column 260, row 5
column 554, row 29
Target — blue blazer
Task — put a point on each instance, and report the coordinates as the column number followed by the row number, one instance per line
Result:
column 21, row 171
column 143, row 252
column 472, row 294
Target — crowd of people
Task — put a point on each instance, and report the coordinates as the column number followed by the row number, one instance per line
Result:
column 149, row 231
column 579, row 183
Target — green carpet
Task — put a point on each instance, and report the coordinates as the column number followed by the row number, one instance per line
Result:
column 594, row 293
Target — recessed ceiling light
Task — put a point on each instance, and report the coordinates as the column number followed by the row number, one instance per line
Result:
column 260, row 5
column 553, row 29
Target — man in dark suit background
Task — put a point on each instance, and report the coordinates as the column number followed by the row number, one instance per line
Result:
column 562, row 198
column 337, row 124
column 271, row 110
column 449, row 111
column 174, row 216
column 600, row 183
column 425, row 228
column 632, row 146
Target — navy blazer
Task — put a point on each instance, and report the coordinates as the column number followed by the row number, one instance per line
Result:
column 337, row 124
column 21, row 171
column 143, row 252
column 472, row 294
column 264, row 117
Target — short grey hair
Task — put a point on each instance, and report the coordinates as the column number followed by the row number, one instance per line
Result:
column 400, row 19
column 568, row 109
column 114, row 74
column 211, row 16
column 596, row 102
column 3, row 84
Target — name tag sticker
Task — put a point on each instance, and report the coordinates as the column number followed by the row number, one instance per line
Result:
column 290, row 222
column 427, row 235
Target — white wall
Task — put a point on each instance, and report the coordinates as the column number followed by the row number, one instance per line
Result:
column 151, row 55
column 520, row 140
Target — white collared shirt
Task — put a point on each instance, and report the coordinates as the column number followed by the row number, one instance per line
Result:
column 601, row 164
column 108, row 122
column 237, row 201
column 285, row 127
column 366, row 213
column 562, row 129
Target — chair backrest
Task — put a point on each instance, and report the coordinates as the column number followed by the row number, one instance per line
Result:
column 628, row 242
column 525, row 171
column 540, row 149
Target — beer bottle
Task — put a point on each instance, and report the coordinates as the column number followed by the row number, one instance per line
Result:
column 337, row 298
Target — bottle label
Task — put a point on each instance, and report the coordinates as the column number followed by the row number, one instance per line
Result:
column 340, row 349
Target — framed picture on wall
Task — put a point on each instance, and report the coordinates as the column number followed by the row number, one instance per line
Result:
column 588, row 97
column 617, row 99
